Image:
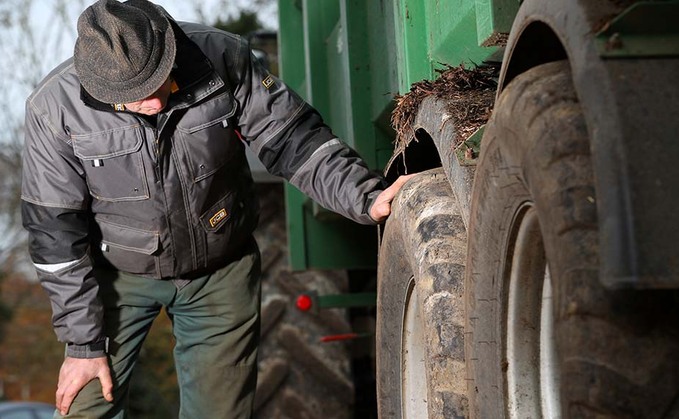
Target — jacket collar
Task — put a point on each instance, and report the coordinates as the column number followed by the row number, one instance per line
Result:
column 193, row 73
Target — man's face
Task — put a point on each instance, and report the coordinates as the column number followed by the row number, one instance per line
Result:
column 153, row 104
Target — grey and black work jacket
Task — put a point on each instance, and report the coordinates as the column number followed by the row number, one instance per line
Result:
column 169, row 198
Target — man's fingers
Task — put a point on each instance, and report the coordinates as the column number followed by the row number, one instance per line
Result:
column 400, row 181
column 396, row 186
column 66, row 395
column 59, row 397
column 76, row 373
column 61, row 387
column 391, row 191
column 381, row 209
column 106, row 384
column 69, row 394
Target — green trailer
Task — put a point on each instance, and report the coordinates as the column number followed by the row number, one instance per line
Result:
column 349, row 59
column 539, row 278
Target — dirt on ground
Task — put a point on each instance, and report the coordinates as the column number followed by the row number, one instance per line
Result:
column 470, row 94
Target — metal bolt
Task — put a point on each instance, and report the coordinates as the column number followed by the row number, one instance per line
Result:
column 614, row 42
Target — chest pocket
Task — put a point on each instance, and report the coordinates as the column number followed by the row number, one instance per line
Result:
column 113, row 164
column 208, row 139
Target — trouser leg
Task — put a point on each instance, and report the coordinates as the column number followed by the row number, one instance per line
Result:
column 131, row 304
column 216, row 325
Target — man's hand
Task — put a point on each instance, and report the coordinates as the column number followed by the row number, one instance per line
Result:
column 382, row 206
column 75, row 373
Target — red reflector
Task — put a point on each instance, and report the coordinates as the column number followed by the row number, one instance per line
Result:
column 304, row 302
column 346, row 336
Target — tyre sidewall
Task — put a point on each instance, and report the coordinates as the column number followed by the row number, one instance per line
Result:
column 517, row 170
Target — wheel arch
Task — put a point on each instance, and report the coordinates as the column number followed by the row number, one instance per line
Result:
column 620, row 102
column 419, row 155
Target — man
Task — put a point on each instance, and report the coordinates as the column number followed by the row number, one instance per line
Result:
column 137, row 196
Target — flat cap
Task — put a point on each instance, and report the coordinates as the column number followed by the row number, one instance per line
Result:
column 124, row 51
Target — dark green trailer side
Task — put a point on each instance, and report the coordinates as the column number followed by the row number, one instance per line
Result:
column 349, row 58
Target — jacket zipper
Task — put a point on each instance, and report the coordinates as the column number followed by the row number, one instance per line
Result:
column 162, row 119
column 187, row 210
column 159, row 177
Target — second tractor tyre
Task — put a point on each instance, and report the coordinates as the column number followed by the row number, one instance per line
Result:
column 299, row 377
column 544, row 337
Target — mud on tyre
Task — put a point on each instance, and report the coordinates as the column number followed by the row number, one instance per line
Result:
column 420, row 317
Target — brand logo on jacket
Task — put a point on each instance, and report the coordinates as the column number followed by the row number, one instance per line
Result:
column 218, row 217
column 119, row 107
column 268, row 82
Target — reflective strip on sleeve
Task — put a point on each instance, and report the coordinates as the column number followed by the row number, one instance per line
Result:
column 53, row 267
column 319, row 151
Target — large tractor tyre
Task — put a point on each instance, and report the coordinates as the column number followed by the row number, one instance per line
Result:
column 543, row 337
column 299, row 377
column 420, row 316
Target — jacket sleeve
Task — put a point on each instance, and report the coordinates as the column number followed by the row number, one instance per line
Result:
column 55, row 212
column 292, row 141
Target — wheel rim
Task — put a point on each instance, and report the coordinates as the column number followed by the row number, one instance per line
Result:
column 532, row 373
column 413, row 372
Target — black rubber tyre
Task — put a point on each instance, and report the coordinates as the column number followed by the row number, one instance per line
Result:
column 420, row 321
column 299, row 377
column 534, row 227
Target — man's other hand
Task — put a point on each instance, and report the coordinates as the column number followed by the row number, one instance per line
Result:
column 75, row 373
column 382, row 206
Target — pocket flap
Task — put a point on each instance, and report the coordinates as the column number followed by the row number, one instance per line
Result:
column 211, row 112
column 129, row 238
column 108, row 144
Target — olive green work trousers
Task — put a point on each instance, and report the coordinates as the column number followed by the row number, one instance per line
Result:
column 215, row 322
